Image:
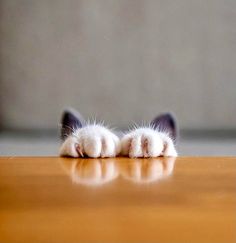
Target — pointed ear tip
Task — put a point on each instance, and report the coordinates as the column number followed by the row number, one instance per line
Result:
column 70, row 115
column 167, row 116
column 65, row 115
column 166, row 119
column 71, row 112
column 68, row 110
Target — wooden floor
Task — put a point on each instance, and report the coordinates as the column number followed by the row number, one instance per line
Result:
column 117, row 200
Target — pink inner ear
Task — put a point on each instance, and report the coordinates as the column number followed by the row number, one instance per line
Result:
column 79, row 150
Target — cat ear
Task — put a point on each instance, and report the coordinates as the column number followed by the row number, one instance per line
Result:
column 71, row 120
column 166, row 123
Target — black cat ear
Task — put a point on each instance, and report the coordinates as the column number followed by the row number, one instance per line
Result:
column 166, row 122
column 71, row 120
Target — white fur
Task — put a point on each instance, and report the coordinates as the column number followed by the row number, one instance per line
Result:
column 147, row 142
column 92, row 140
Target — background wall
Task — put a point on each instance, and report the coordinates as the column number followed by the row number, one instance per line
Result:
column 121, row 61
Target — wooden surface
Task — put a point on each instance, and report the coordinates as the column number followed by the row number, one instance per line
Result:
column 117, row 200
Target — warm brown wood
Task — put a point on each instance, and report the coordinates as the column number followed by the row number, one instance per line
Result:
column 117, row 200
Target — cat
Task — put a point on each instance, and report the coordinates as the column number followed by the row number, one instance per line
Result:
column 81, row 139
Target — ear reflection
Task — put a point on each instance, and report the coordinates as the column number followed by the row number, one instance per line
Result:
column 147, row 170
column 92, row 171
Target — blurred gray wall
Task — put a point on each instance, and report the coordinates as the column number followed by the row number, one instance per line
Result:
column 121, row 61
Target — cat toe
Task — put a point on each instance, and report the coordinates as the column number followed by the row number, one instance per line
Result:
column 135, row 149
column 125, row 144
column 152, row 145
column 108, row 147
column 92, row 147
column 117, row 144
column 69, row 148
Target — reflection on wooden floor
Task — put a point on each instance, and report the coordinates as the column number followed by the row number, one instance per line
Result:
column 52, row 199
column 101, row 171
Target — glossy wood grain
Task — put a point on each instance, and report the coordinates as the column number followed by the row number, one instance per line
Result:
column 117, row 200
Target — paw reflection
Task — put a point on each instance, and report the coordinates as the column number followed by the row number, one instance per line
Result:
column 147, row 170
column 93, row 171
column 101, row 171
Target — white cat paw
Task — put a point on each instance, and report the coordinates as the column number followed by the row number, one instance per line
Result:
column 92, row 141
column 147, row 142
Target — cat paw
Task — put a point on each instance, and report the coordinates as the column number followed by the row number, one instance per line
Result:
column 147, row 142
column 93, row 141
